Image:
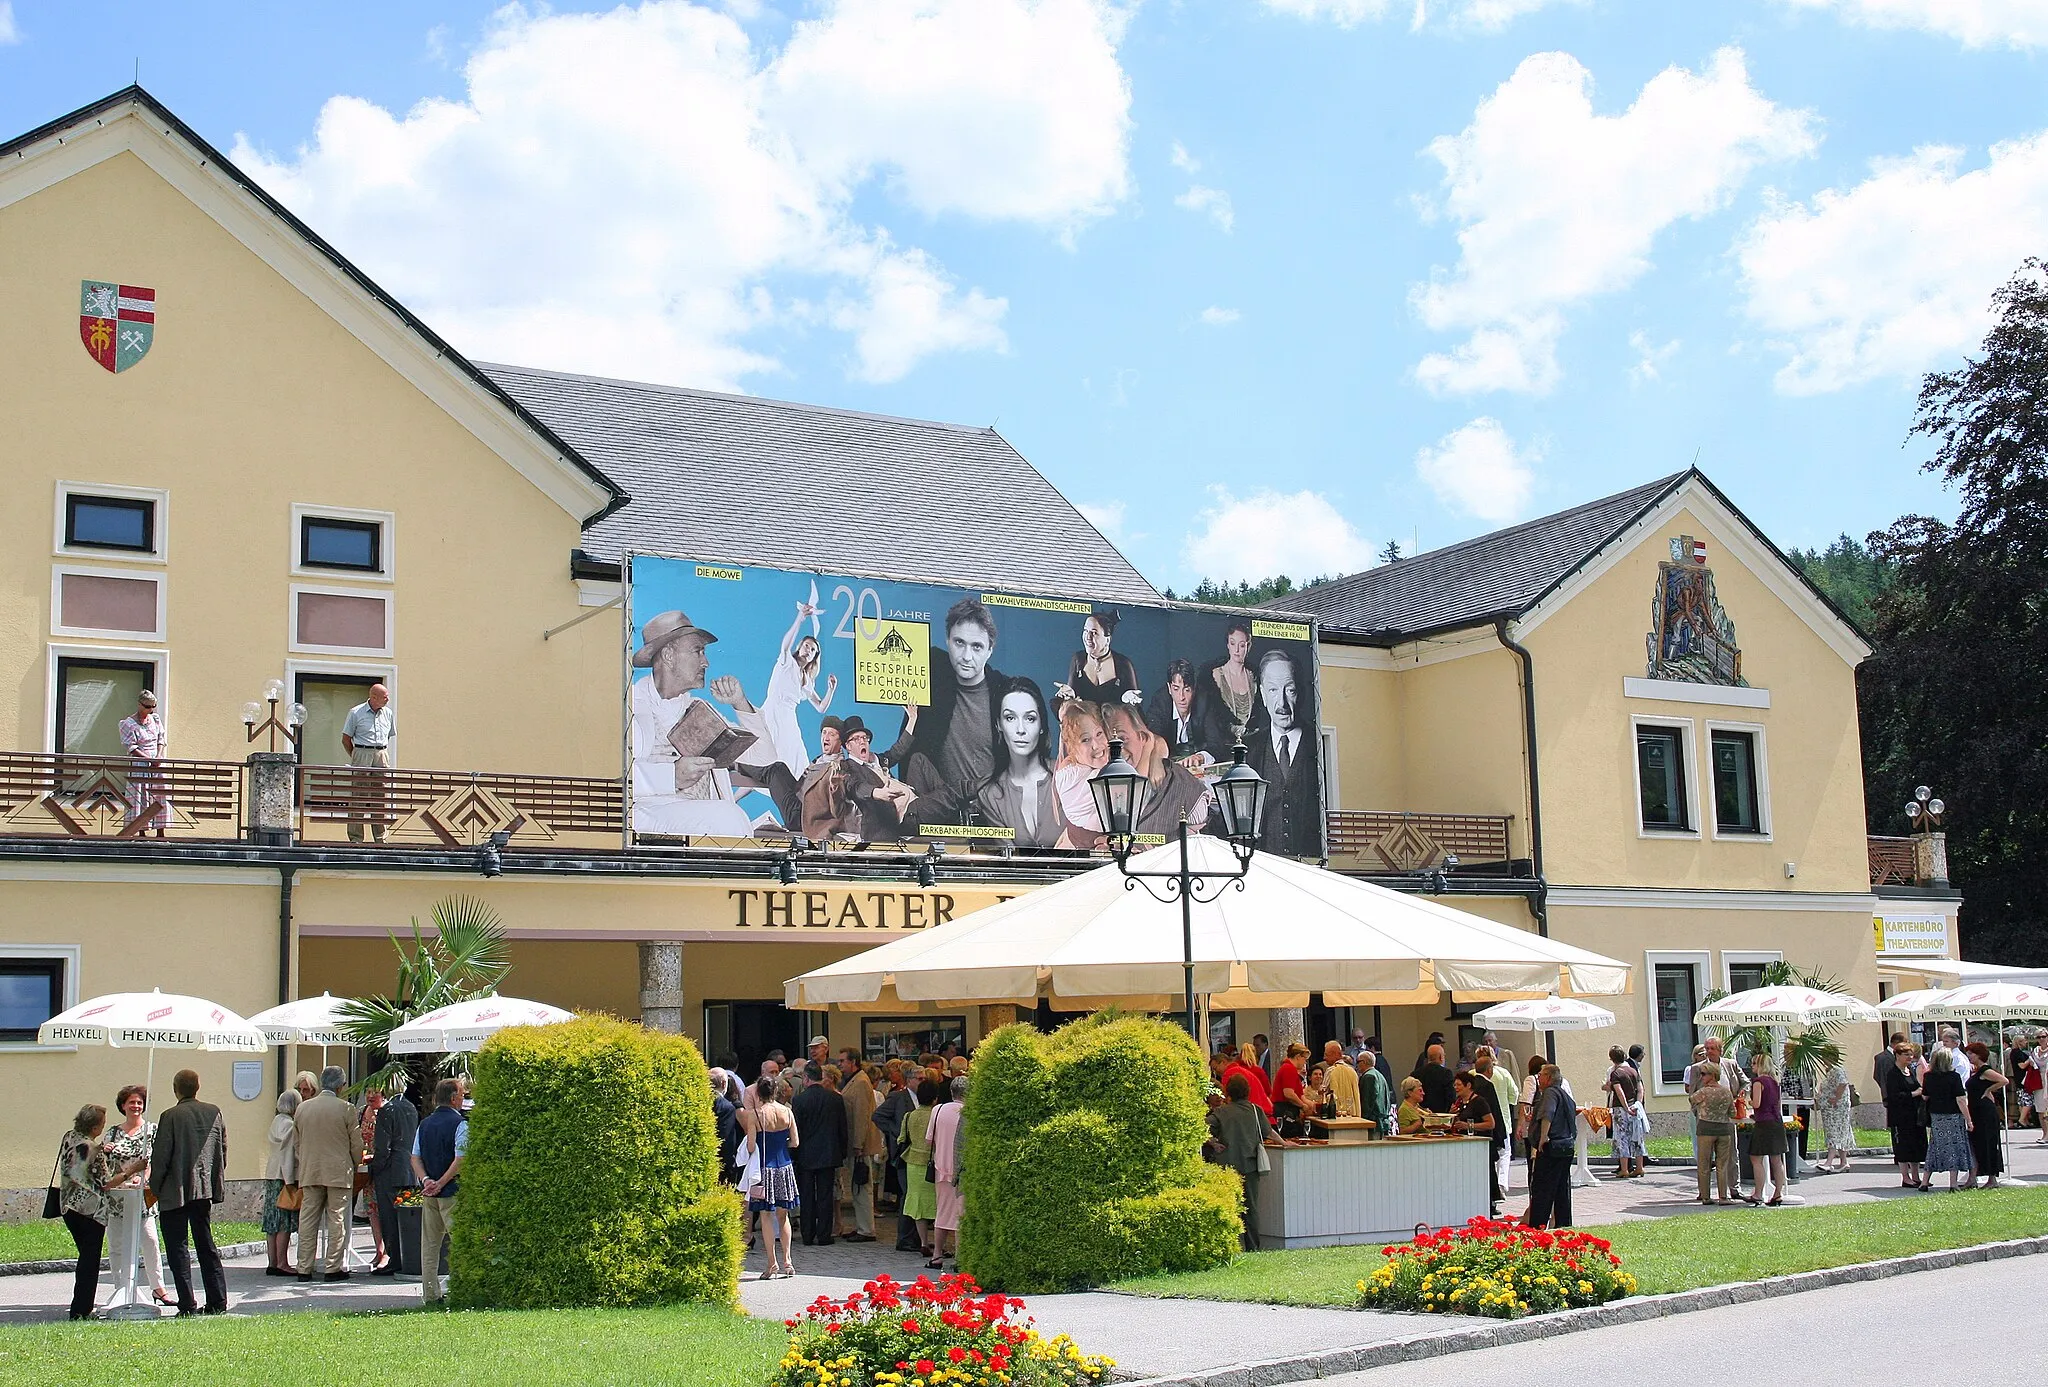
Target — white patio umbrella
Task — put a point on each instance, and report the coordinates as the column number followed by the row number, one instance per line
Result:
column 1906, row 1006
column 465, row 1026
column 1988, row 1001
column 1789, row 1006
column 1292, row 930
column 308, row 1021
column 1550, row 1014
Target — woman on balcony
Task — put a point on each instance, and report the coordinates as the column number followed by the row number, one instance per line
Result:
column 144, row 739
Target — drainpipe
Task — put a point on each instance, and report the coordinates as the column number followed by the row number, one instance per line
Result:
column 1541, row 905
column 285, row 874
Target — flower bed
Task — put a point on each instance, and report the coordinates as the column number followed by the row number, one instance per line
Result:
column 928, row 1334
column 1496, row 1267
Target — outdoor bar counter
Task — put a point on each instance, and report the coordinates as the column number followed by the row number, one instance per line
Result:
column 1370, row 1191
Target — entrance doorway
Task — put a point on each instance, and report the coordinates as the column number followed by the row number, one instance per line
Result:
column 740, row 1035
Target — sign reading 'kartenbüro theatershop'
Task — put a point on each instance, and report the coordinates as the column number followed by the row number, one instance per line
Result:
column 767, row 702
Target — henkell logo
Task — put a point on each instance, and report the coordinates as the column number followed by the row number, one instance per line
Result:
column 159, row 1014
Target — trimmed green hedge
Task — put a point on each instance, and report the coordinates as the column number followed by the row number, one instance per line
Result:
column 1084, row 1158
column 592, row 1174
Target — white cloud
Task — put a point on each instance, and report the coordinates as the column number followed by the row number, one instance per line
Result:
column 1487, row 16
column 1212, row 202
column 8, row 32
column 1344, row 13
column 1478, row 470
column 1556, row 203
column 1297, row 533
column 547, row 218
column 1215, row 315
column 1976, row 23
column 1650, row 358
column 1182, row 160
column 1106, row 516
column 1895, row 274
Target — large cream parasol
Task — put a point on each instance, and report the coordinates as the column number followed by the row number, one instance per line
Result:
column 467, row 1025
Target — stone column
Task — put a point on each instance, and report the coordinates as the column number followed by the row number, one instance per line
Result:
column 1930, row 859
column 1286, row 1029
column 661, row 985
column 271, row 774
column 997, row 1016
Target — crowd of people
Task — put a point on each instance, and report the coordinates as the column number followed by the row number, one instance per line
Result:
column 153, row 1186
column 830, row 1141
column 1945, row 1106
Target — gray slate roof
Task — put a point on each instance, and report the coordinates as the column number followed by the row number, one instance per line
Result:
column 1470, row 584
column 749, row 480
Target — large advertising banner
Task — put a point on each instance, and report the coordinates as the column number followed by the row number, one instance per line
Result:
column 774, row 703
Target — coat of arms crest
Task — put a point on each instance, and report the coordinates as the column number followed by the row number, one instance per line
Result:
column 116, row 322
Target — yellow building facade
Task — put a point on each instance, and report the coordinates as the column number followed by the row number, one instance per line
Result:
column 289, row 478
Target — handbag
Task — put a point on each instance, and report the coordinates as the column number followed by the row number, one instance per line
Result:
column 53, row 1202
column 1265, row 1161
column 291, row 1198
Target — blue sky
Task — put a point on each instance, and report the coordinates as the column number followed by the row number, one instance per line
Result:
column 1260, row 283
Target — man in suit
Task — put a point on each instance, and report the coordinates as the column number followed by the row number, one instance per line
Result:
column 390, row 1172
column 948, row 750
column 863, row 1145
column 330, row 1149
column 188, row 1172
column 820, row 1151
column 1189, row 723
column 1283, row 751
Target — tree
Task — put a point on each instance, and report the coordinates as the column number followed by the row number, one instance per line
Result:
column 1390, row 552
column 1852, row 576
column 464, row 959
column 1241, row 593
column 1953, row 697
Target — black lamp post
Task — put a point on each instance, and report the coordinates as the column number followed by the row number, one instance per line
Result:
column 1120, row 790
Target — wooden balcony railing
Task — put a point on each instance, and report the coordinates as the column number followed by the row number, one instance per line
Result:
column 1891, row 861
column 1392, row 841
column 62, row 794
column 456, row 809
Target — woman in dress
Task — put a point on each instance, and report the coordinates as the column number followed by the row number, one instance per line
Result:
column 1233, row 678
column 83, row 1199
column 794, row 681
column 1948, row 1111
column 1622, row 1088
column 280, row 1170
column 944, row 1136
column 1902, row 1116
column 920, row 1199
column 373, row 1103
column 1084, row 750
column 1837, row 1125
column 1019, row 796
column 1098, row 674
column 127, row 1145
column 771, row 1175
column 1767, row 1132
column 1985, row 1089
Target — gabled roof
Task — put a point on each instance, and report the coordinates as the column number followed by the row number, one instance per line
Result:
column 749, row 480
column 134, row 101
column 1512, row 572
column 1475, row 582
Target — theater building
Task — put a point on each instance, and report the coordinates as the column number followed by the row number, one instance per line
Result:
column 239, row 464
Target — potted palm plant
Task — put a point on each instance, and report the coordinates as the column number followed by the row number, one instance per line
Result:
column 462, row 956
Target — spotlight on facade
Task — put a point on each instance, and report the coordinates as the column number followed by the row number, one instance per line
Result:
column 927, row 872
column 785, row 869
column 490, row 854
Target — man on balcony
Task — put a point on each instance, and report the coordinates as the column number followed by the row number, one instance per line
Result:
column 366, row 738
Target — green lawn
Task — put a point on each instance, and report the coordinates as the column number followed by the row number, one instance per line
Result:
column 1680, row 1148
column 47, row 1240
column 1671, row 1254
column 683, row 1346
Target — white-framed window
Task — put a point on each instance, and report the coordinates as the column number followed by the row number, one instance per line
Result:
column 107, row 603
column 1334, row 798
column 338, row 542
column 1742, row 969
column 340, row 621
column 37, row 981
column 328, row 689
column 88, row 689
column 1677, row 982
column 96, row 520
column 1739, row 777
column 1667, row 778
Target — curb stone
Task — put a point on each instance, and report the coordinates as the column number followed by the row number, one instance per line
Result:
column 1333, row 1362
column 227, row 1250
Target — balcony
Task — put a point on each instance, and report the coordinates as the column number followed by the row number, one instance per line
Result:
column 1892, row 862
column 1381, row 841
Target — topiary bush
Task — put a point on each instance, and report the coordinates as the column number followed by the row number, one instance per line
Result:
column 592, row 1174
column 1083, row 1162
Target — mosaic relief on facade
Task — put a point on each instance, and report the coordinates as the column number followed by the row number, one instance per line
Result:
column 1691, row 638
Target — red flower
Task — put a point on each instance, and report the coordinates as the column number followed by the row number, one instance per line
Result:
column 925, row 1365
column 831, row 1329
column 910, row 1326
column 957, row 1354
